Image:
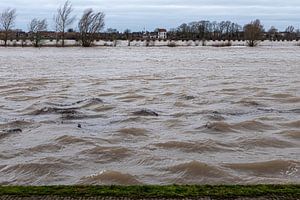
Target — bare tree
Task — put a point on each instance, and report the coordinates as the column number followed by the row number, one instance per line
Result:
column 127, row 34
column 253, row 33
column 7, row 22
column 290, row 33
column 272, row 33
column 63, row 19
column 36, row 26
column 90, row 25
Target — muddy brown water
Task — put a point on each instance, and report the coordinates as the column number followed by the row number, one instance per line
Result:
column 185, row 115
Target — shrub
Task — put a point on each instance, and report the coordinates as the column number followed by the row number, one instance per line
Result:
column 223, row 44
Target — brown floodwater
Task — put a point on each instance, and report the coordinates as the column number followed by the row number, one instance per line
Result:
column 187, row 115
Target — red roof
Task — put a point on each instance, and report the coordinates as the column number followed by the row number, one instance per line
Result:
column 162, row 30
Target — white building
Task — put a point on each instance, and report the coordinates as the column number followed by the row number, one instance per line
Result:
column 161, row 33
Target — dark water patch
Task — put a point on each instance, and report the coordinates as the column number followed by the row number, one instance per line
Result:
column 146, row 112
column 9, row 132
column 188, row 97
column 84, row 103
column 110, row 178
column 274, row 168
column 53, row 110
column 271, row 110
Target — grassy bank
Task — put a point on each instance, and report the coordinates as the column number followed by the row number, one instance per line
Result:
column 173, row 191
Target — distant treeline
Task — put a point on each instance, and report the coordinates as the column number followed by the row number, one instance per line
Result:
column 202, row 30
column 90, row 28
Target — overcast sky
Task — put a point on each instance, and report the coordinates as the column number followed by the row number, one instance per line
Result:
column 150, row 14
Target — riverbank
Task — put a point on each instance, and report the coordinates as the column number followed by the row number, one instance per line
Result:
column 150, row 43
column 155, row 192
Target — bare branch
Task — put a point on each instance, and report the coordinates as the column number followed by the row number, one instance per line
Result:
column 89, row 25
column 36, row 26
column 7, row 22
column 63, row 19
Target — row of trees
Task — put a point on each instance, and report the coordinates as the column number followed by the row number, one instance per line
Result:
column 89, row 24
column 207, row 30
column 227, row 30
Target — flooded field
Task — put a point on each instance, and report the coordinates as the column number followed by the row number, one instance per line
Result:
column 188, row 115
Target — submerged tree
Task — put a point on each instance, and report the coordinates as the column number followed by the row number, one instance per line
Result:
column 253, row 33
column 7, row 22
column 63, row 20
column 36, row 26
column 90, row 24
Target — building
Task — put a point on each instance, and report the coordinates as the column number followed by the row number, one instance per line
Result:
column 161, row 33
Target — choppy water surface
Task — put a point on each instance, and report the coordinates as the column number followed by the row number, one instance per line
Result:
column 149, row 115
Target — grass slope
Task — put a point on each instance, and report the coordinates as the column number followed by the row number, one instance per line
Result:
column 172, row 191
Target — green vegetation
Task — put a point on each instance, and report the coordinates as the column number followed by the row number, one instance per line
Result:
column 172, row 191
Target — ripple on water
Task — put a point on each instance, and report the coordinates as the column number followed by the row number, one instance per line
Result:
column 44, row 171
column 291, row 134
column 72, row 140
column 196, row 147
column 198, row 172
column 133, row 132
column 16, row 124
column 265, row 142
column 109, row 178
column 104, row 154
column 294, row 124
column 272, row 169
column 251, row 125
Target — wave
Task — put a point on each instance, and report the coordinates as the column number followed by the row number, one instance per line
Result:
column 133, row 132
column 69, row 140
column 103, row 154
column 45, row 171
column 197, row 147
column 16, row 124
column 219, row 127
column 249, row 102
column 274, row 168
column 291, row 133
column 294, row 124
column 145, row 112
column 246, row 125
column 81, row 103
column 109, row 178
column 265, row 143
column 198, row 172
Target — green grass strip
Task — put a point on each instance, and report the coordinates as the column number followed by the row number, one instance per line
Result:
column 171, row 191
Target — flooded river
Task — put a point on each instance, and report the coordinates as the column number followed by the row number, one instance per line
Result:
column 186, row 115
